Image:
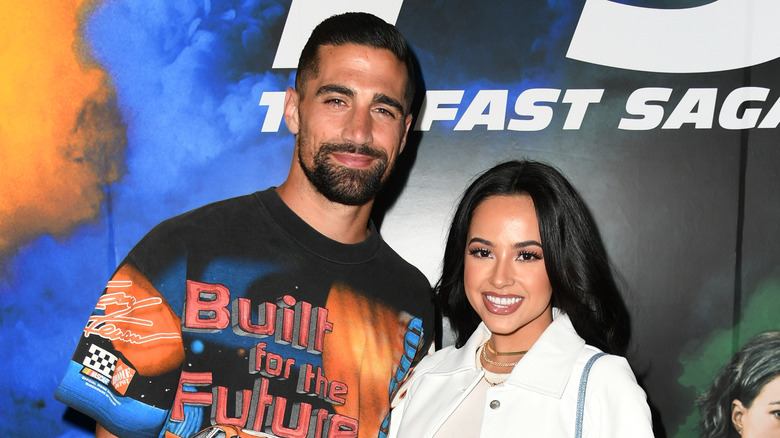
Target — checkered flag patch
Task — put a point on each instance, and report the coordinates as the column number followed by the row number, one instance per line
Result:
column 100, row 360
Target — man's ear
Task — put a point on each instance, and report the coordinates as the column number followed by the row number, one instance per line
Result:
column 408, row 125
column 737, row 413
column 291, row 100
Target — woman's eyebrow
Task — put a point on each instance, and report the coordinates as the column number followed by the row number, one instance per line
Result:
column 527, row 243
column 480, row 240
column 522, row 244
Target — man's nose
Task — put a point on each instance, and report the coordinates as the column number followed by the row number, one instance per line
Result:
column 357, row 129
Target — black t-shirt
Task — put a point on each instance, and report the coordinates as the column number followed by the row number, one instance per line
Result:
column 240, row 314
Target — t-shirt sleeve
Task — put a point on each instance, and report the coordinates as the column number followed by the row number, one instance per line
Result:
column 125, row 370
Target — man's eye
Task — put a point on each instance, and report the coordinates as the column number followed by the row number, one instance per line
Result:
column 386, row 112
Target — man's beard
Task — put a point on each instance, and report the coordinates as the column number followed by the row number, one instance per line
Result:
column 342, row 184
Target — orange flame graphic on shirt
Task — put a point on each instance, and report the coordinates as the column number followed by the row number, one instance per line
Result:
column 363, row 351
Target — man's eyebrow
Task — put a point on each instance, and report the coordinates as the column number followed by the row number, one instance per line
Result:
column 387, row 100
column 332, row 88
column 346, row 91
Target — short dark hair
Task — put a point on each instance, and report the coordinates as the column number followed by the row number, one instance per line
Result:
column 581, row 277
column 743, row 378
column 355, row 28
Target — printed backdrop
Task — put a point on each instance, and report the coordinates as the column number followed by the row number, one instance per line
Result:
column 117, row 114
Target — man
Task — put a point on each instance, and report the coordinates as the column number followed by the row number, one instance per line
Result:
column 281, row 312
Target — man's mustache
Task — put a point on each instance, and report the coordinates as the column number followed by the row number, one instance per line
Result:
column 366, row 150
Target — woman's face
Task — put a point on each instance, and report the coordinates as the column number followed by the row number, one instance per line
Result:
column 762, row 418
column 504, row 274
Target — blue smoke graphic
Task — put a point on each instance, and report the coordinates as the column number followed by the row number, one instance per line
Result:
column 509, row 45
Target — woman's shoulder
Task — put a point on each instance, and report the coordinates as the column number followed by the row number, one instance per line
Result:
column 615, row 401
column 431, row 361
column 608, row 375
column 603, row 363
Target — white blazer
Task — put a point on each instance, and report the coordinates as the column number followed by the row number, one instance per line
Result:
column 539, row 397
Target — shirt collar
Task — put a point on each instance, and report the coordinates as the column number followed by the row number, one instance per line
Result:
column 546, row 367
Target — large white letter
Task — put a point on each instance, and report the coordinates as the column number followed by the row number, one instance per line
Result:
column 772, row 118
column 637, row 105
column 540, row 116
column 579, row 100
column 273, row 117
column 495, row 103
column 702, row 100
column 431, row 111
column 728, row 112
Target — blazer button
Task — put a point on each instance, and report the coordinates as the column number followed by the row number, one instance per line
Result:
column 495, row 404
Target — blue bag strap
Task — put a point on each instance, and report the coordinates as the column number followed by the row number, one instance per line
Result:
column 581, row 394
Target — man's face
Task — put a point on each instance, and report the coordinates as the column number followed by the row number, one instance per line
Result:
column 350, row 121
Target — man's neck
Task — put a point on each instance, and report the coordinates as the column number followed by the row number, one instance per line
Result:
column 342, row 223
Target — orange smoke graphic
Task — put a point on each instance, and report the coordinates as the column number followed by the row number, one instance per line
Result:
column 61, row 136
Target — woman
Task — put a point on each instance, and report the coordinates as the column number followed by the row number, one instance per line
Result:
column 529, row 292
column 744, row 399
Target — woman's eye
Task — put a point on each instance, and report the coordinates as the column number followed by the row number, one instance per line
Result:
column 528, row 256
column 480, row 252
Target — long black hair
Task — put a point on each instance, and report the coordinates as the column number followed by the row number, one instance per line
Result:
column 580, row 274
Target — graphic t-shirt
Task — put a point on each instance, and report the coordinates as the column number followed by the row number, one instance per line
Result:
column 240, row 315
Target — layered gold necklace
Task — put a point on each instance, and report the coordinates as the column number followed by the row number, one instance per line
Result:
column 497, row 353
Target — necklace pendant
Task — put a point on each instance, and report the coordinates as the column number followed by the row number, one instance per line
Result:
column 492, row 384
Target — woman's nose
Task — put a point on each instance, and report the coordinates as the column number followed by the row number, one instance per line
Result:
column 502, row 274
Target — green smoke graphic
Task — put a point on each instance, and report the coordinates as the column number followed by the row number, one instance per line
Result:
column 701, row 364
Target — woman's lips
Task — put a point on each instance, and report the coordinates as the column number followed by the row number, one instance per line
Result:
column 501, row 304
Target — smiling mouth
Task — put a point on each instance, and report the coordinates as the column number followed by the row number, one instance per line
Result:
column 353, row 160
column 503, row 301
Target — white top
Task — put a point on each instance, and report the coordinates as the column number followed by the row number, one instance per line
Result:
column 463, row 422
column 539, row 398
